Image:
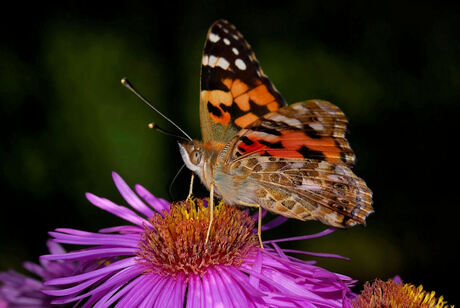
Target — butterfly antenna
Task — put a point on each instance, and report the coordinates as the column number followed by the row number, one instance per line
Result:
column 155, row 126
column 129, row 86
column 173, row 180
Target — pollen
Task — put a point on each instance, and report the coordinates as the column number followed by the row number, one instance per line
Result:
column 397, row 295
column 175, row 242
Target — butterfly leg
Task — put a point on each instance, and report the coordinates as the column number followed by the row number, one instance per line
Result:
column 259, row 221
column 259, row 227
column 190, row 192
column 211, row 213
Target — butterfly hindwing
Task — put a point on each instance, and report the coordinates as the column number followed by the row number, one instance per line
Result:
column 234, row 90
column 308, row 189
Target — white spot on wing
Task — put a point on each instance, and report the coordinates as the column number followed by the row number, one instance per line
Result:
column 226, row 41
column 240, row 64
column 317, row 126
column 235, row 51
column 212, row 61
column 223, row 63
column 214, row 37
column 298, row 107
column 289, row 121
column 205, row 60
column 235, row 37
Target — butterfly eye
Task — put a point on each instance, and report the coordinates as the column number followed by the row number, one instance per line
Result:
column 195, row 157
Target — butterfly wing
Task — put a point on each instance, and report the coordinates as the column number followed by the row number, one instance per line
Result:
column 234, row 90
column 299, row 159
column 308, row 189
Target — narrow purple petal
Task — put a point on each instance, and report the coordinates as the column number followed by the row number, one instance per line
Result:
column 98, row 239
column 103, row 271
column 94, row 252
column 102, row 302
column 54, row 247
column 122, row 230
column 116, row 281
column 256, row 215
column 157, row 203
column 127, row 286
column 164, row 295
column 317, row 254
column 158, row 285
column 303, row 237
column 212, row 298
column 274, row 223
column 233, row 286
column 178, row 296
column 257, row 266
column 117, row 210
column 238, row 281
column 195, row 292
column 137, row 293
column 34, row 268
column 219, row 287
column 282, row 287
column 130, row 197
column 72, row 290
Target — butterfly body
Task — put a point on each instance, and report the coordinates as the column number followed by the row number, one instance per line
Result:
column 257, row 151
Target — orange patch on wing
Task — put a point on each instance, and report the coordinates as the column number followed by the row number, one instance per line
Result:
column 217, row 97
column 260, row 95
column 238, row 87
column 224, row 119
column 243, row 102
column 246, row 119
column 295, row 140
column 228, row 82
column 285, row 153
column 273, row 106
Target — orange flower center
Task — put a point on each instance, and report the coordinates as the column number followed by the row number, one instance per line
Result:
column 175, row 243
column 397, row 295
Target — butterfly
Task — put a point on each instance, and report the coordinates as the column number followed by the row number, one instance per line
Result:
column 292, row 160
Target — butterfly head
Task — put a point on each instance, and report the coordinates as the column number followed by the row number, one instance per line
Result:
column 192, row 154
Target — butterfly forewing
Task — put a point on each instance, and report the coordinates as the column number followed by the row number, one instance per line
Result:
column 234, row 90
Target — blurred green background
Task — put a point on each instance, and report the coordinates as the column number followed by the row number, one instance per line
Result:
column 393, row 68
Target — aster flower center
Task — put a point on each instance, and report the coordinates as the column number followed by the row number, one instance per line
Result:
column 175, row 243
column 393, row 294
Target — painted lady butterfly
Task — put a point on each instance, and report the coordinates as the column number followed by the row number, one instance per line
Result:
column 257, row 151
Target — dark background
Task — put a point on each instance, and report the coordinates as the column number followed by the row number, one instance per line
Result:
column 393, row 68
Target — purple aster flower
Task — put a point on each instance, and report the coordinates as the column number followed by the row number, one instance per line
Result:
column 160, row 260
column 18, row 290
